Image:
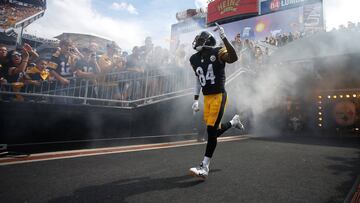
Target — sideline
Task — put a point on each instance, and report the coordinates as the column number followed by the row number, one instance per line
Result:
column 108, row 150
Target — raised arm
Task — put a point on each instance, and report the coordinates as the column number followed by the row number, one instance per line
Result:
column 228, row 53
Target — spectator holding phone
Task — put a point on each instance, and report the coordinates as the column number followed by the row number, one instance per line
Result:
column 88, row 66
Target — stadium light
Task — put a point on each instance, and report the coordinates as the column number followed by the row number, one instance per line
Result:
column 320, row 119
column 341, row 96
column 320, row 97
column 329, row 97
column 347, row 96
column 320, row 113
column 320, row 125
column 354, row 95
column 334, row 96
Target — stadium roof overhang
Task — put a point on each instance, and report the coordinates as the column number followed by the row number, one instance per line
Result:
column 29, row 20
column 83, row 40
column 76, row 36
column 321, row 45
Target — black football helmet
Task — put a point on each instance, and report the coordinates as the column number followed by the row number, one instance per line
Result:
column 204, row 40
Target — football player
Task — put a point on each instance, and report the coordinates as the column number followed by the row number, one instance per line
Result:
column 209, row 67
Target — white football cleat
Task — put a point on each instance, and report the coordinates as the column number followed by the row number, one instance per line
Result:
column 200, row 171
column 236, row 122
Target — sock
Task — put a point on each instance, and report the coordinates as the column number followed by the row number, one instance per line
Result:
column 232, row 123
column 206, row 161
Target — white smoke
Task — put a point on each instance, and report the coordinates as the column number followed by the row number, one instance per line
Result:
column 340, row 12
column 201, row 3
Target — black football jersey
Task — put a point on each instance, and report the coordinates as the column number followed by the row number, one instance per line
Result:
column 63, row 67
column 210, row 71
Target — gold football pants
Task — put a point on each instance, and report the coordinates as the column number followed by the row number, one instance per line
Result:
column 214, row 108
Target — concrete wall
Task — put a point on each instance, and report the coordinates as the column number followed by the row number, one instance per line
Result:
column 22, row 123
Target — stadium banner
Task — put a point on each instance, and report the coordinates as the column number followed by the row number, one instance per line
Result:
column 313, row 18
column 269, row 6
column 221, row 9
column 257, row 28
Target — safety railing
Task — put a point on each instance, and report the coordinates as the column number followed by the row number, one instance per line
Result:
column 125, row 89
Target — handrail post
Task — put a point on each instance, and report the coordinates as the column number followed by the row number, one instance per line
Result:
column 86, row 91
column 146, row 84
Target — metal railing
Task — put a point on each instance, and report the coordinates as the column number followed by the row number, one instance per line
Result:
column 125, row 89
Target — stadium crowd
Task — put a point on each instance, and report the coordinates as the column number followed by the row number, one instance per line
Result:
column 118, row 75
column 283, row 39
column 252, row 54
column 112, row 75
column 11, row 13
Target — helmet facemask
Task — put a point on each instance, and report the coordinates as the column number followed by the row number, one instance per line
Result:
column 204, row 40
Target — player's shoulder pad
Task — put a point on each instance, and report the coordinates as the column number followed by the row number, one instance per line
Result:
column 192, row 58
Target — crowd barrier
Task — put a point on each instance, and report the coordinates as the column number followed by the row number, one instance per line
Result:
column 127, row 88
column 122, row 89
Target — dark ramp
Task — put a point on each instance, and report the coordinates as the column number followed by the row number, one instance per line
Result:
column 253, row 170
